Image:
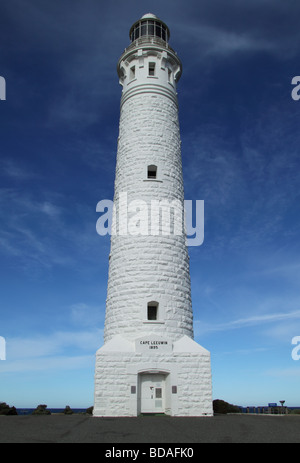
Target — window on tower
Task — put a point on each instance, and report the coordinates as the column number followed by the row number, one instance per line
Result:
column 152, row 172
column 150, row 27
column 151, row 69
column 152, row 311
column 144, row 28
column 132, row 73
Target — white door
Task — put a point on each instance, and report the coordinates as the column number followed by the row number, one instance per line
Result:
column 152, row 393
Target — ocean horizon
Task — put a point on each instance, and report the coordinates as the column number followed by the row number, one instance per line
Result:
column 28, row 411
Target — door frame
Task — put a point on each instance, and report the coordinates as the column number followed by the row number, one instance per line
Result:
column 166, row 388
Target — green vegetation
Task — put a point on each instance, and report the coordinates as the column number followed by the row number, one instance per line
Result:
column 41, row 410
column 68, row 410
column 220, row 406
column 7, row 410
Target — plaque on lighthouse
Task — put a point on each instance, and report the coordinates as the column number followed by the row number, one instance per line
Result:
column 149, row 362
column 153, row 344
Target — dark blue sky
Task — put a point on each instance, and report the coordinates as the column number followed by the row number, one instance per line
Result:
column 240, row 148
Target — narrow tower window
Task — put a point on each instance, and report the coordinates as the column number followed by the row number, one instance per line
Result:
column 132, row 72
column 151, row 69
column 152, row 172
column 152, row 311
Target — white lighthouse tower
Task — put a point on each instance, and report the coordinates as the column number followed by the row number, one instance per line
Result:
column 149, row 362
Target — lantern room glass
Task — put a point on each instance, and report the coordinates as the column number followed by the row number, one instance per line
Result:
column 150, row 28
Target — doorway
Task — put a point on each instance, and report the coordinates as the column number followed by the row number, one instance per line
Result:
column 152, row 393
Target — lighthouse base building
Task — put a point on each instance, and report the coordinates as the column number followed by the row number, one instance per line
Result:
column 149, row 362
column 153, row 375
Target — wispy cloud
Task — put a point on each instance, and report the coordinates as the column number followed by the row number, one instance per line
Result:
column 58, row 350
column 53, row 343
column 44, row 232
column 260, row 26
column 86, row 315
column 63, row 363
column 215, row 41
column 14, row 170
column 284, row 373
column 248, row 179
column 25, row 221
column 250, row 351
column 257, row 320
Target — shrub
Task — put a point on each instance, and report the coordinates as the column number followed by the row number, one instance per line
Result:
column 89, row 411
column 220, row 406
column 68, row 410
column 41, row 410
column 7, row 410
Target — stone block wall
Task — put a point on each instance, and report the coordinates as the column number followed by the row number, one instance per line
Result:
column 117, row 371
column 148, row 267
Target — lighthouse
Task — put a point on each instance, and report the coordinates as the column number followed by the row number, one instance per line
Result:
column 150, row 363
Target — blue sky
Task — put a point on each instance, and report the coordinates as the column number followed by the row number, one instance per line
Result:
column 240, row 147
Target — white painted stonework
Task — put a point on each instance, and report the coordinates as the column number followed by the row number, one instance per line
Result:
column 149, row 362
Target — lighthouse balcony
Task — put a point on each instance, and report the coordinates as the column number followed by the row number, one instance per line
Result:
column 148, row 40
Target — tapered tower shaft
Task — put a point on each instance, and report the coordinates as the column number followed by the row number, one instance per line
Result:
column 148, row 263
